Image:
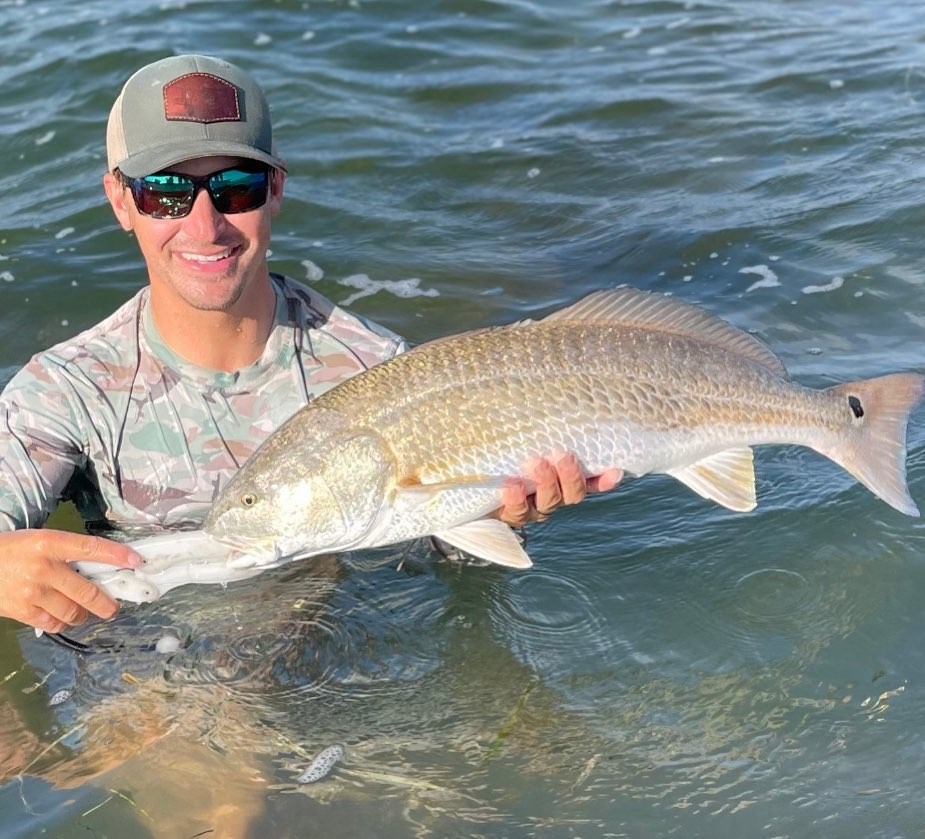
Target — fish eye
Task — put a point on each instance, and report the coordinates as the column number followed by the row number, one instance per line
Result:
column 248, row 499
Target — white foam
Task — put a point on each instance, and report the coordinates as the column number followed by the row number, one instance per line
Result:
column 64, row 231
column 400, row 288
column 768, row 277
column 47, row 137
column 837, row 283
column 167, row 644
column 312, row 272
column 6, row 276
column 263, row 39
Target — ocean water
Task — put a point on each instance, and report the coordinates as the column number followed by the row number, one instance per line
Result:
column 667, row 668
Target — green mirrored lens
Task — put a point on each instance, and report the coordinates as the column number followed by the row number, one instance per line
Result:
column 164, row 195
column 238, row 190
column 170, row 195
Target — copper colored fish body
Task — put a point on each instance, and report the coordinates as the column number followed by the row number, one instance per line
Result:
column 422, row 444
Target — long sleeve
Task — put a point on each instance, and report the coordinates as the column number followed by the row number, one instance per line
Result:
column 40, row 447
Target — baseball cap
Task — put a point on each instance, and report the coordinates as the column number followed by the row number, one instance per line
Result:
column 188, row 106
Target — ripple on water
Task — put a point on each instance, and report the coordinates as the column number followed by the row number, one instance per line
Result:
column 769, row 596
column 806, row 581
column 551, row 622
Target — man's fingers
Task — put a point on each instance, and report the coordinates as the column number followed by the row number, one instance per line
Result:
column 71, row 547
column 515, row 509
column 85, row 595
column 62, row 609
column 606, row 481
column 39, row 588
column 574, row 486
column 559, row 483
column 40, row 619
column 548, row 492
column 556, row 484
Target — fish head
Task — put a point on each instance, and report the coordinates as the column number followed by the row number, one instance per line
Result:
column 303, row 494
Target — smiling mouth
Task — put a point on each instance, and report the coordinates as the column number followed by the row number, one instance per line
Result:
column 207, row 258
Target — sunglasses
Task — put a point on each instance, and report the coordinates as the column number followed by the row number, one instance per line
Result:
column 237, row 189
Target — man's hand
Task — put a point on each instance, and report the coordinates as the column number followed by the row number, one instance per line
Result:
column 38, row 588
column 557, row 483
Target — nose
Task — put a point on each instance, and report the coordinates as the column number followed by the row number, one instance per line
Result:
column 203, row 222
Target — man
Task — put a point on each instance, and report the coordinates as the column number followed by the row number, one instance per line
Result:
column 142, row 419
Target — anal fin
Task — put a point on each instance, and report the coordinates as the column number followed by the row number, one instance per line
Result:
column 728, row 478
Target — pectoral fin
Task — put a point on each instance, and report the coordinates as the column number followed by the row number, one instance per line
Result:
column 411, row 497
column 489, row 539
column 728, row 478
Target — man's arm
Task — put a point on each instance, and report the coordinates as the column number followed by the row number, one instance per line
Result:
column 39, row 451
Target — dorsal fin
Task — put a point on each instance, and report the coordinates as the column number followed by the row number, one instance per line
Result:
column 648, row 310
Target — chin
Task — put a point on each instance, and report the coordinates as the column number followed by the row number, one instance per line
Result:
column 210, row 300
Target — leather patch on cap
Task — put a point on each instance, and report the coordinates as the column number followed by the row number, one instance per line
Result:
column 201, row 97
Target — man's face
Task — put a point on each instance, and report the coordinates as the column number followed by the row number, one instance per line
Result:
column 206, row 260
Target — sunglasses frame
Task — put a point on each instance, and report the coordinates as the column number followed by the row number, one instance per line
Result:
column 197, row 183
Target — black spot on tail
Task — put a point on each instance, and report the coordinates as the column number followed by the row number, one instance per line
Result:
column 855, row 404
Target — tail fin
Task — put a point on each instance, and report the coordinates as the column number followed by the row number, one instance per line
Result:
column 875, row 448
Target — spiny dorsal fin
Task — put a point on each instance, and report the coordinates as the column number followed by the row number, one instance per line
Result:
column 442, row 339
column 634, row 307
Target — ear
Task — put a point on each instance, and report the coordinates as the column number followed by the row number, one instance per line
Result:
column 277, row 182
column 119, row 199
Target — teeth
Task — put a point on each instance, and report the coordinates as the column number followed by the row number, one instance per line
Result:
column 199, row 257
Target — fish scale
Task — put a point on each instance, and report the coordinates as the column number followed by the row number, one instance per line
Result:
column 423, row 444
column 542, row 405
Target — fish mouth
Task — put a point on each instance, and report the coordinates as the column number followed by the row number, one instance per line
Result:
column 253, row 559
column 246, row 554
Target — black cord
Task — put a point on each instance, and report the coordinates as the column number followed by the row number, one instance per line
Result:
column 99, row 646
column 67, row 643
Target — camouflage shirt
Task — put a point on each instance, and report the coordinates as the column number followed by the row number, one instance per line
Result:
column 136, row 436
